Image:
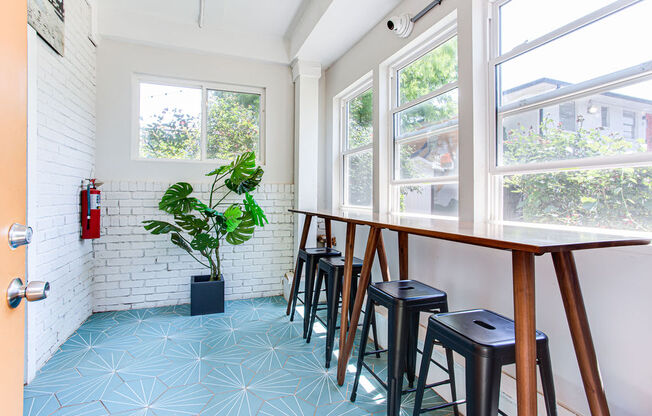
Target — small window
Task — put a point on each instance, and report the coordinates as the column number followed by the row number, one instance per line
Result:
column 629, row 125
column 567, row 118
column 604, row 113
column 198, row 122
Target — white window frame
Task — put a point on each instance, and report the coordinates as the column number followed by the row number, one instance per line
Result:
column 205, row 86
column 603, row 83
column 352, row 92
column 442, row 36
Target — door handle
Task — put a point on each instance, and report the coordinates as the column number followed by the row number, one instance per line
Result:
column 33, row 291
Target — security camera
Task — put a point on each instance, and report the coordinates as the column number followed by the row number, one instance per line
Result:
column 401, row 25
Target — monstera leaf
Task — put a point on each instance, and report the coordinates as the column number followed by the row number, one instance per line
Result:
column 232, row 217
column 219, row 171
column 203, row 241
column 245, row 175
column 160, row 227
column 180, row 242
column 247, row 184
column 191, row 224
column 243, row 232
column 256, row 212
column 176, row 201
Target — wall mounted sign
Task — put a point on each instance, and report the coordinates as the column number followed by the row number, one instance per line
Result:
column 47, row 18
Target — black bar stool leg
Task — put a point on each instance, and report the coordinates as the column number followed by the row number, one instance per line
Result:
column 411, row 360
column 374, row 331
column 423, row 372
column 307, row 296
column 295, row 295
column 363, row 347
column 333, row 305
column 482, row 386
column 399, row 332
column 547, row 381
column 315, row 302
column 450, row 362
column 451, row 375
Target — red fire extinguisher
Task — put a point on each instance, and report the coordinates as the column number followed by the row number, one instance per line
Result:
column 90, row 209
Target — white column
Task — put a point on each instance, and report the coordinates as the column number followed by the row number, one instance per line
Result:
column 306, row 142
column 473, row 109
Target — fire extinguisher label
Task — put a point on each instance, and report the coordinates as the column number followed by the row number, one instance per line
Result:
column 95, row 201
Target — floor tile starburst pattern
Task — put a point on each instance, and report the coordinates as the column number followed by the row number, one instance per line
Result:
column 163, row 362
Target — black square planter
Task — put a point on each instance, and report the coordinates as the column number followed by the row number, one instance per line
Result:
column 206, row 296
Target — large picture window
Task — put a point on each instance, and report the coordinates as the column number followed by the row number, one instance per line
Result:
column 424, row 120
column 357, row 147
column 573, row 96
column 196, row 122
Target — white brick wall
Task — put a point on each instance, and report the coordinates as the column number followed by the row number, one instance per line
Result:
column 65, row 154
column 134, row 269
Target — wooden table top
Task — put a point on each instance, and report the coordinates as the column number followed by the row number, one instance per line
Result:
column 530, row 239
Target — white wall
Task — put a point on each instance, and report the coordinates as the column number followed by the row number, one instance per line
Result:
column 117, row 62
column 615, row 281
column 62, row 154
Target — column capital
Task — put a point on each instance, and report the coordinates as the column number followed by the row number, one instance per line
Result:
column 305, row 69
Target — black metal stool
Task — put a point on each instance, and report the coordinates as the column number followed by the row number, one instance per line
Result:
column 487, row 341
column 333, row 269
column 404, row 300
column 310, row 257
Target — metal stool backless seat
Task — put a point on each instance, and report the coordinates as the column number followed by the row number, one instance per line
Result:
column 332, row 269
column 405, row 300
column 487, row 341
column 309, row 256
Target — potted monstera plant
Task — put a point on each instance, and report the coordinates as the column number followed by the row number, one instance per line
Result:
column 201, row 229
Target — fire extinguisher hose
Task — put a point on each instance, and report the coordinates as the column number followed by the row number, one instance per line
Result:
column 88, row 206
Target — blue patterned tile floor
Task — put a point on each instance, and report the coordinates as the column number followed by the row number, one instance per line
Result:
column 162, row 362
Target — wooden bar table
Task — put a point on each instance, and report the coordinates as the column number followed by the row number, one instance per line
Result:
column 524, row 242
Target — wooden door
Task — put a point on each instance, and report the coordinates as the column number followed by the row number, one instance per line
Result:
column 13, row 177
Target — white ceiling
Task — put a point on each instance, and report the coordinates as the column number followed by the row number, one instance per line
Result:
column 269, row 30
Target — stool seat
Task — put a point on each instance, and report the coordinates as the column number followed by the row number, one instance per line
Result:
column 483, row 327
column 338, row 261
column 321, row 251
column 411, row 291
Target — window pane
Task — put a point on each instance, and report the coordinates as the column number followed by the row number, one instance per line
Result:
column 607, row 198
column 436, row 199
column 232, row 124
column 429, row 157
column 433, row 70
column 170, row 122
column 526, row 20
column 437, row 113
column 606, row 124
column 359, row 124
column 359, row 178
column 601, row 48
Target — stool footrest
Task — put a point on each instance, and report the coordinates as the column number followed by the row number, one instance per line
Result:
column 443, row 406
column 428, row 386
column 445, row 369
column 375, row 352
column 378, row 379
